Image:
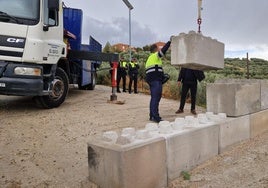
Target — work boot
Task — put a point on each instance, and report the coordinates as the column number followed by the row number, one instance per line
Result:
column 179, row 111
column 193, row 112
column 156, row 119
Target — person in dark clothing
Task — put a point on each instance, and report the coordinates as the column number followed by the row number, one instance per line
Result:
column 122, row 73
column 133, row 75
column 154, row 77
column 189, row 78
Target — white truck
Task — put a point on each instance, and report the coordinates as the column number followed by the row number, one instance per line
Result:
column 35, row 60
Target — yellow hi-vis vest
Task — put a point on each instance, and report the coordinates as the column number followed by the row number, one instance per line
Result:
column 132, row 64
column 123, row 64
column 153, row 60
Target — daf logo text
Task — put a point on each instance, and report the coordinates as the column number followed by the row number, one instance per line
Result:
column 15, row 40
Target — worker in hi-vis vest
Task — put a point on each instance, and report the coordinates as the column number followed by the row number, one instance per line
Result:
column 155, row 77
column 122, row 73
column 133, row 75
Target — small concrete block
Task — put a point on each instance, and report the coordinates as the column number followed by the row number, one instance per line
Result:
column 258, row 123
column 140, row 165
column 233, row 98
column 232, row 131
column 195, row 51
column 188, row 149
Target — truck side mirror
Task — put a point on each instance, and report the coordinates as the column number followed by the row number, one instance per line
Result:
column 53, row 4
column 51, row 14
column 45, row 28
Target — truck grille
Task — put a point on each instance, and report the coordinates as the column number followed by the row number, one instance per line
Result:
column 13, row 42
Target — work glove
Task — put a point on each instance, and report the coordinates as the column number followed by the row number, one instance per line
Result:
column 165, row 78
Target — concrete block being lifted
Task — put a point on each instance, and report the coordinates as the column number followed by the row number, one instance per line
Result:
column 195, row 51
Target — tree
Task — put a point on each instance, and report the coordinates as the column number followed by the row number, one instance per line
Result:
column 146, row 48
column 107, row 48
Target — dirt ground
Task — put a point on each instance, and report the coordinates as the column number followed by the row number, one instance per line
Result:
column 48, row 148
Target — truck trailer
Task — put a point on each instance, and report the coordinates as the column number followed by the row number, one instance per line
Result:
column 41, row 51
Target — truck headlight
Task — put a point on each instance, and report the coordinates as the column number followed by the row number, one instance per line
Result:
column 27, row 71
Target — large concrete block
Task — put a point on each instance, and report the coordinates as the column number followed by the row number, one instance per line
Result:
column 140, row 165
column 188, row 149
column 195, row 51
column 258, row 123
column 233, row 131
column 233, row 98
column 263, row 88
column 264, row 94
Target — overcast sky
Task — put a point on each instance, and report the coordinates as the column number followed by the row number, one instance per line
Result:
column 242, row 25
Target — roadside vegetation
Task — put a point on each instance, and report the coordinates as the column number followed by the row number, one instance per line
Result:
column 233, row 68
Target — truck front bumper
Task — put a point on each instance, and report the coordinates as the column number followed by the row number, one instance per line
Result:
column 21, row 85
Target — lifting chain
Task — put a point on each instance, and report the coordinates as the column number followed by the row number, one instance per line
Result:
column 199, row 20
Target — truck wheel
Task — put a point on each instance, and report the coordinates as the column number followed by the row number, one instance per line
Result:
column 90, row 86
column 60, row 88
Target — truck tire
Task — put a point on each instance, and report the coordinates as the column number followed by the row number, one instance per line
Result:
column 90, row 86
column 59, row 92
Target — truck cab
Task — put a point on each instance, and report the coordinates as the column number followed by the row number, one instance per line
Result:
column 33, row 54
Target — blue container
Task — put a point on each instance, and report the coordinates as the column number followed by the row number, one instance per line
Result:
column 72, row 21
column 94, row 45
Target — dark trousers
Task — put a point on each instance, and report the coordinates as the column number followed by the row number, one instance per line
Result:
column 119, row 76
column 133, row 78
column 185, row 88
column 156, row 94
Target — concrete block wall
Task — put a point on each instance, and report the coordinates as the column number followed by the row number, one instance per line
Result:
column 258, row 123
column 263, row 92
column 154, row 160
column 140, row 165
column 195, row 51
column 151, row 162
column 235, row 98
column 185, row 151
column 233, row 131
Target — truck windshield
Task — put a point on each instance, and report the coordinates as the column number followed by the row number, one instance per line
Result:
column 20, row 11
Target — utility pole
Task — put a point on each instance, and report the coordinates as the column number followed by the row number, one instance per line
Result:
column 130, row 7
column 247, row 67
